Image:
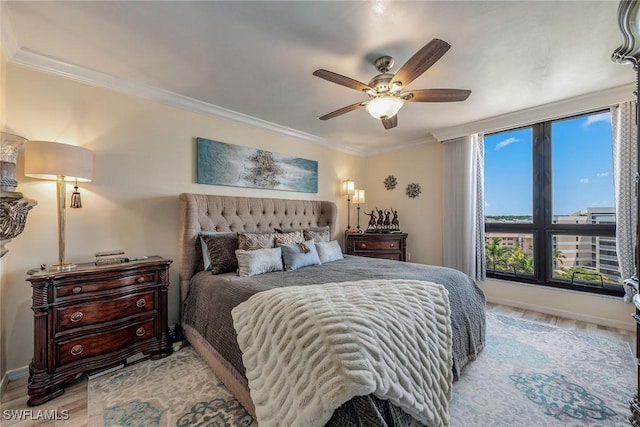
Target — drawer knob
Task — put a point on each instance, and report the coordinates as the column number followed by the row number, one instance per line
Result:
column 140, row 279
column 141, row 303
column 77, row 289
column 392, row 245
column 140, row 332
column 77, row 316
column 364, row 245
column 77, row 349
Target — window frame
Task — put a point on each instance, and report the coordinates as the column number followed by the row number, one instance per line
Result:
column 542, row 227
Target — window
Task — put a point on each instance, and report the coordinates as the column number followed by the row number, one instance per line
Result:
column 549, row 204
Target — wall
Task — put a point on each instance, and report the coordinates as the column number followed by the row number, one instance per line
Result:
column 420, row 217
column 144, row 156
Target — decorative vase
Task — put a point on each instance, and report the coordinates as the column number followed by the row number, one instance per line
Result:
column 9, row 146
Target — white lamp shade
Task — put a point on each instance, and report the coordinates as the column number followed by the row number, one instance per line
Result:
column 385, row 106
column 48, row 160
column 348, row 188
column 358, row 197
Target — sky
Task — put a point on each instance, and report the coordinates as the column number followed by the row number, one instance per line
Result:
column 582, row 167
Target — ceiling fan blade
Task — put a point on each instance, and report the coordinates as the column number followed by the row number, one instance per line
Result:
column 389, row 122
column 343, row 110
column 421, row 61
column 342, row 80
column 436, row 95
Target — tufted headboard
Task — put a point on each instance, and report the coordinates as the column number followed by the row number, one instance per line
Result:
column 203, row 212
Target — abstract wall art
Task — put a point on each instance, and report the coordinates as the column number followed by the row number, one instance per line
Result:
column 219, row 163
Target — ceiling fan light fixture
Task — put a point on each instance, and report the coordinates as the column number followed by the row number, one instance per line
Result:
column 385, row 90
column 385, row 106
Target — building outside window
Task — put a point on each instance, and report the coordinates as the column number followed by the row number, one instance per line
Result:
column 549, row 204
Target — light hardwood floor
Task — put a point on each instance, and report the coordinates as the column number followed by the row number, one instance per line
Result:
column 74, row 400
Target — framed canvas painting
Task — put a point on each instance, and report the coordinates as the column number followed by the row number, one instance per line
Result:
column 219, row 163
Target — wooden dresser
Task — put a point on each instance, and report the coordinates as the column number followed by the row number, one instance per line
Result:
column 378, row 245
column 94, row 317
column 635, row 403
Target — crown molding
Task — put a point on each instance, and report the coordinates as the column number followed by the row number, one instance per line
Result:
column 576, row 105
column 35, row 60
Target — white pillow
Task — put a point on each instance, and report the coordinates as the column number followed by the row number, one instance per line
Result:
column 258, row 261
column 329, row 251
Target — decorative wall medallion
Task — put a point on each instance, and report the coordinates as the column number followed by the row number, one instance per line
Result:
column 413, row 190
column 390, row 182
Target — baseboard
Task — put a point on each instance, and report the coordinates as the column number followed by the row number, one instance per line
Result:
column 16, row 374
column 12, row 375
column 564, row 313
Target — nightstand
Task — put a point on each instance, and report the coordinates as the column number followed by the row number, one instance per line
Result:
column 378, row 245
column 94, row 317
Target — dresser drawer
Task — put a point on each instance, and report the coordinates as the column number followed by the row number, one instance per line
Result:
column 390, row 244
column 102, row 311
column 100, row 344
column 397, row 256
column 377, row 245
column 83, row 288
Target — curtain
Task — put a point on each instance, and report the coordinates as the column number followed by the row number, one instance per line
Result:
column 463, row 234
column 624, row 139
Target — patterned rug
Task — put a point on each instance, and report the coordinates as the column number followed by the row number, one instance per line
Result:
column 530, row 374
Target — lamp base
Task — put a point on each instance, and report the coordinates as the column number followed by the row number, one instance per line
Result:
column 65, row 266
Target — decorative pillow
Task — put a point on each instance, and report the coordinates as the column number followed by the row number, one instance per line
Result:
column 329, row 251
column 289, row 238
column 318, row 234
column 253, row 241
column 221, row 251
column 295, row 257
column 259, row 261
column 205, row 249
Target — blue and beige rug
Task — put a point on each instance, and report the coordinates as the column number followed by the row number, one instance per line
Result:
column 530, row 374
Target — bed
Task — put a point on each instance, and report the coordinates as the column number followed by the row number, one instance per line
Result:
column 207, row 299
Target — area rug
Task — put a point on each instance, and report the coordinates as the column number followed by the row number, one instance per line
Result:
column 529, row 374
column 179, row 390
column 535, row 374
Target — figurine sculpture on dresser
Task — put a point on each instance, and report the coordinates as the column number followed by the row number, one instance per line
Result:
column 383, row 222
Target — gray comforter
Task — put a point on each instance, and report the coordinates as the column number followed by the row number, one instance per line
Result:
column 212, row 297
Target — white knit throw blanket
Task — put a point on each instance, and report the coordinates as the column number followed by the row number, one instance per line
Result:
column 309, row 349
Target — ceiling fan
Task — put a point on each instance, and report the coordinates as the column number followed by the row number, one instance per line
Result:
column 385, row 91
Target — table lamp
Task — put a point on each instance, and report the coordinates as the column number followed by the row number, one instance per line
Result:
column 358, row 198
column 348, row 188
column 59, row 162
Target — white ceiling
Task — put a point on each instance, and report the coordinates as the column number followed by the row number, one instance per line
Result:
column 253, row 61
